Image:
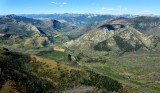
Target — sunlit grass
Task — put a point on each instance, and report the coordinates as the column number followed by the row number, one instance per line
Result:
column 141, row 72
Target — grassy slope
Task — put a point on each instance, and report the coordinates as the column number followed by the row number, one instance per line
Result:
column 39, row 74
column 134, row 71
column 141, row 72
column 55, row 55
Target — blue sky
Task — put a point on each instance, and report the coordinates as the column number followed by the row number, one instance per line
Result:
column 115, row 7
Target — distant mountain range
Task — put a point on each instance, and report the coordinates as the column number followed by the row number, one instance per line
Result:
column 101, row 32
column 76, row 19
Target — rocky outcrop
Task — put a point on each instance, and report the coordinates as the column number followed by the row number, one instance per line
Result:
column 126, row 40
column 30, row 27
column 120, row 34
column 88, row 40
column 119, row 38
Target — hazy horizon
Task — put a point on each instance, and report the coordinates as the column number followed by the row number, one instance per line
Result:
column 109, row 7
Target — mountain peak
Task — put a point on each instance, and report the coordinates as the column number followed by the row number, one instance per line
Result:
column 11, row 16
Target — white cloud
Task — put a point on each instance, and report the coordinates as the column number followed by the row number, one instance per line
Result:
column 103, row 8
column 57, row 3
column 61, row 4
column 54, row 3
column 64, row 3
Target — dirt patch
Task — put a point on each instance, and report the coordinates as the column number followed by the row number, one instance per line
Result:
column 9, row 87
column 59, row 49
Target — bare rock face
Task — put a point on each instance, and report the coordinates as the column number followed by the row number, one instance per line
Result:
column 147, row 40
column 88, row 40
column 31, row 27
column 128, row 39
column 119, row 38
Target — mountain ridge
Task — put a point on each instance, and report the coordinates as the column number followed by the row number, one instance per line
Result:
column 22, row 32
column 118, row 38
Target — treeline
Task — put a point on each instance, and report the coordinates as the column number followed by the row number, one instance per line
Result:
column 103, row 83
